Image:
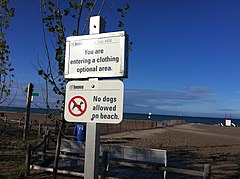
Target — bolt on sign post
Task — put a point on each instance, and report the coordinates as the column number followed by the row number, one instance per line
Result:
column 98, row 55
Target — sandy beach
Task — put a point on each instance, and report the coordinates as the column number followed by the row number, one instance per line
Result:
column 190, row 146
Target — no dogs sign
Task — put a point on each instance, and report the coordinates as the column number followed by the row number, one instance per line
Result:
column 94, row 101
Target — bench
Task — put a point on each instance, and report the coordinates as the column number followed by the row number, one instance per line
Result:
column 74, row 147
column 134, row 157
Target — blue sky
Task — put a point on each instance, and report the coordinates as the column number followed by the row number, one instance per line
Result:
column 185, row 58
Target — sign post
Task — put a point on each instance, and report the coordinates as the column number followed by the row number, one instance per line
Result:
column 28, row 105
column 91, row 164
column 98, row 55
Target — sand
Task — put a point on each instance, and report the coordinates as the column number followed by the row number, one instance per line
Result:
column 190, row 146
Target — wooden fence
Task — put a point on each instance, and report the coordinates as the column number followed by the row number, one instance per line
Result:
column 35, row 153
column 39, row 152
column 128, row 125
column 114, row 155
column 39, row 127
column 125, row 125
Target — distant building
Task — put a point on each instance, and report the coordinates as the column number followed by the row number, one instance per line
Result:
column 228, row 120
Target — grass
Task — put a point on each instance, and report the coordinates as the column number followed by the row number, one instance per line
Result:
column 238, row 162
column 18, row 174
column 12, row 150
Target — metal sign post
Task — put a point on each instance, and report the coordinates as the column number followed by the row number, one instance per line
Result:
column 92, row 151
column 91, row 165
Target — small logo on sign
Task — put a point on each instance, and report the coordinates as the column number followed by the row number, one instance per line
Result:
column 76, row 87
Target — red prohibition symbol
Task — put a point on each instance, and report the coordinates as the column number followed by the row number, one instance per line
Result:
column 79, row 103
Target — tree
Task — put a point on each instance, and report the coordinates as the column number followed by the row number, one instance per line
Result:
column 6, row 69
column 59, row 20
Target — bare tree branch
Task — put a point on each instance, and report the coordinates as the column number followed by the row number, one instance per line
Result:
column 101, row 7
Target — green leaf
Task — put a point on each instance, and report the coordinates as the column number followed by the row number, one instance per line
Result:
column 127, row 7
column 120, row 9
column 90, row 5
column 66, row 11
column 120, row 24
column 11, row 14
column 43, row 4
column 51, row 29
column 51, row 3
column 50, row 9
column 58, row 57
column 40, row 72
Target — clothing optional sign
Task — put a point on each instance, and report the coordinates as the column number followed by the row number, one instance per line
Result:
column 98, row 55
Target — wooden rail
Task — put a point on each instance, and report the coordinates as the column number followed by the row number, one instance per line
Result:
column 133, row 157
column 32, row 126
column 66, row 172
column 42, row 146
column 119, row 155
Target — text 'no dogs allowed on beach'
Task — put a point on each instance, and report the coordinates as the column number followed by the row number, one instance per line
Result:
column 94, row 101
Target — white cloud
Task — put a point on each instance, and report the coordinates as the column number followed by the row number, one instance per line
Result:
column 172, row 101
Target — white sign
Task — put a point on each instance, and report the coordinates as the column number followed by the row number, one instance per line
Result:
column 228, row 122
column 94, row 101
column 98, row 55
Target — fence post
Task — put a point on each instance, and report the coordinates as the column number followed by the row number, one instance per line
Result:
column 19, row 122
column 46, row 130
column 57, row 152
column 104, row 164
column 207, row 171
column 28, row 159
column 30, row 125
column 44, row 147
column 39, row 129
column 48, row 138
column 56, row 128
